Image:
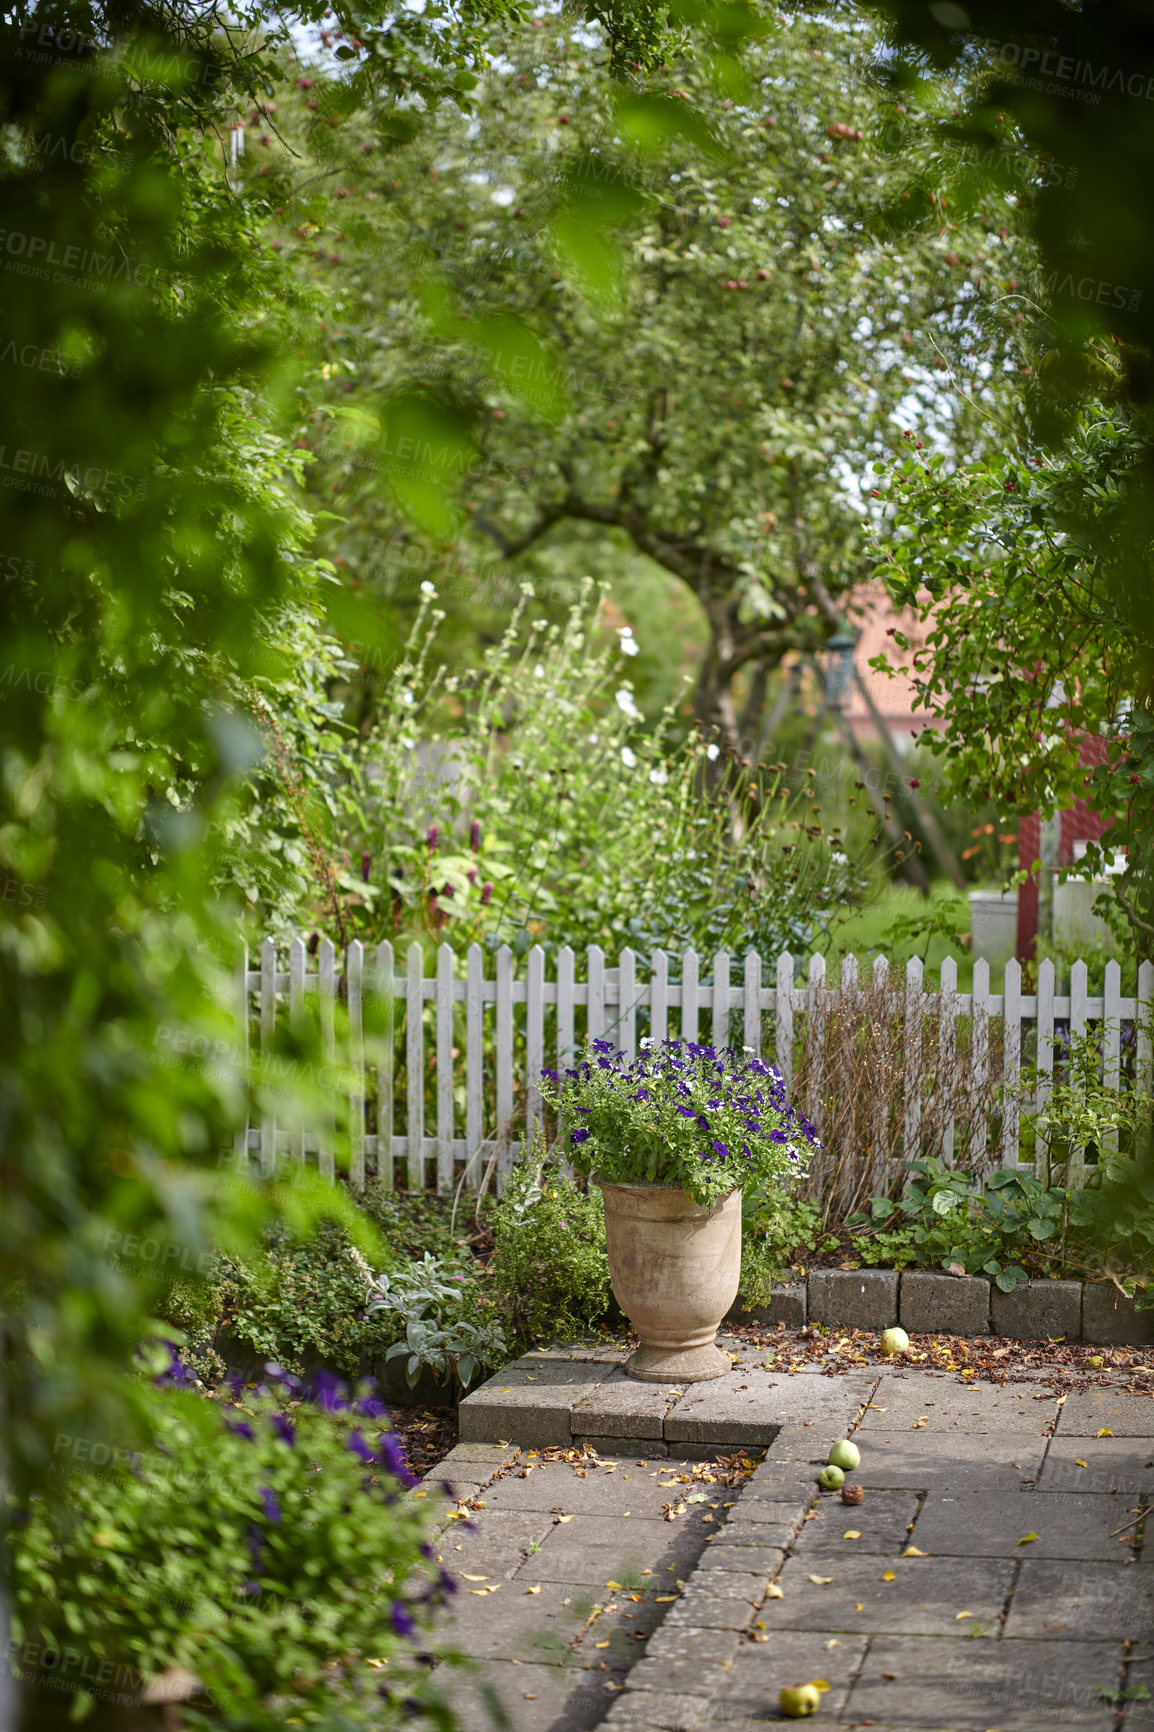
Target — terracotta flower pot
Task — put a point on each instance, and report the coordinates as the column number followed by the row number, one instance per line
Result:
column 675, row 1267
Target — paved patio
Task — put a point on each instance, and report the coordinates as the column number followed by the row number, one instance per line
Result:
column 991, row 1580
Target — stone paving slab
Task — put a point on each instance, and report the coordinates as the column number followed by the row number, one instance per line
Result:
column 1003, row 1461
column 1100, row 1602
column 534, row 1698
column 922, row 1598
column 941, row 1406
column 882, row 1524
column 621, row 1488
column 985, row 1524
column 623, row 1407
column 596, row 1549
column 1099, row 1464
column 760, row 1670
column 1088, row 1411
column 1014, row 1686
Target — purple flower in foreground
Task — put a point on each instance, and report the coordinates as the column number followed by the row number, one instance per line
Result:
column 372, row 1407
column 721, row 1150
column 240, row 1428
column 401, row 1619
column 579, row 1137
column 284, row 1428
column 391, row 1455
column 269, row 1500
column 360, row 1448
column 327, row 1390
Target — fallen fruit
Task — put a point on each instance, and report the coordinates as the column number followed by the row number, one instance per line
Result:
column 852, row 1494
column 799, row 1701
column 831, row 1478
column 1096, row 1361
column 894, row 1341
column 844, row 1454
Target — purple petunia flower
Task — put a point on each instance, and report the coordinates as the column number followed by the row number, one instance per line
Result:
column 284, row 1428
column 579, row 1137
column 401, row 1618
column 687, row 1112
column 269, row 1500
column 372, row 1407
column 391, row 1455
column 328, row 1392
column 722, row 1150
column 360, row 1448
column 240, row 1428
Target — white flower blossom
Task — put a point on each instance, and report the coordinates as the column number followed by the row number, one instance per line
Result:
column 626, row 704
column 659, row 777
column 629, row 645
column 428, row 588
column 628, row 758
column 713, row 751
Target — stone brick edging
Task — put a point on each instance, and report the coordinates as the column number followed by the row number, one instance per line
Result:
column 928, row 1303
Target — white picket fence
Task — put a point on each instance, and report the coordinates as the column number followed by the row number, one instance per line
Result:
column 495, row 1032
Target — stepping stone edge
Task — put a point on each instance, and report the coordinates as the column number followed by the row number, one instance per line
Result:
column 928, row 1302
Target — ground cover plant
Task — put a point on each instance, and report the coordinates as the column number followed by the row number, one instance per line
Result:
column 261, row 1543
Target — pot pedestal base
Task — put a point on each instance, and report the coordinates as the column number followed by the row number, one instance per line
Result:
column 678, row 1364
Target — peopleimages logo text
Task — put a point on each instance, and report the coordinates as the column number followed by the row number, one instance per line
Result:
column 78, row 261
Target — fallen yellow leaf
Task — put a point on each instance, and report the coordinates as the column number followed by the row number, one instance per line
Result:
column 564, row 1518
column 1026, row 1538
column 913, row 1552
column 821, row 1581
column 616, row 1586
column 859, row 1607
column 818, row 1684
column 664, row 1599
column 774, row 1591
column 601, row 1644
column 958, row 1615
column 469, row 1578
column 832, row 1643
column 535, row 1590
column 851, row 1534
column 889, row 1576
column 1078, row 1463
column 1105, row 1432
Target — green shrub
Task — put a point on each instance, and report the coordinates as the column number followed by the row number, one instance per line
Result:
column 549, row 1274
column 264, row 1544
column 776, row 1234
column 438, row 1321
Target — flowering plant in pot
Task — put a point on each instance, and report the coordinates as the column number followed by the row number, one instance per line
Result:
column 673, row 1138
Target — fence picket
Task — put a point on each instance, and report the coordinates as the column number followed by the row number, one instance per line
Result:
column 297, row 966
column 415, row 1074
column 1045, row 1062
column 979, row 1060
column 627, row 1004
column 847, row 1008
column 534, row 1037
column 240, row 1143
column 1076, row 1170
column 474, row 1063
column 504, row 1060
column 659, row 998
column 327, row 987
column 1144, row 1029
column 354, row 982
column 386, row 988
column 783, row 1020
column 1011, row 1061
column 751, row 1019
column 1111, row 1040
column 566, row 999
column 817, row 1024
column 912, row 1058
column 881, row 1112
column 267, row 1037
column 689, row 995
column 947, row 1046
column 444, row 1068
column 720, row 1025
column 595, row 976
